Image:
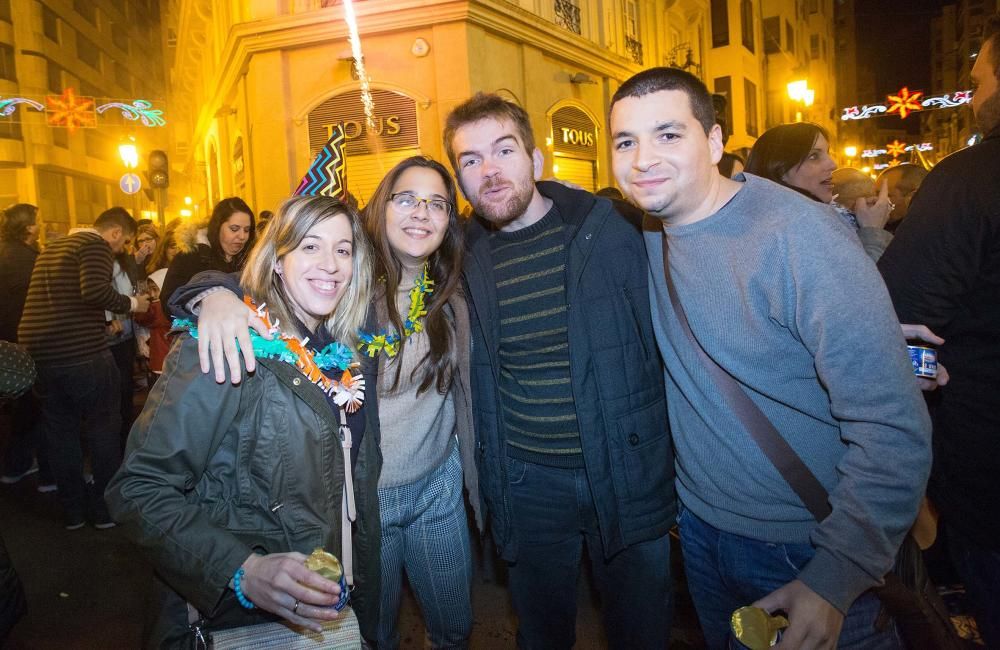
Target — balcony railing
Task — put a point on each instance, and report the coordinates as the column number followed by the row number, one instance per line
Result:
column 634, row 49
column 568, row 15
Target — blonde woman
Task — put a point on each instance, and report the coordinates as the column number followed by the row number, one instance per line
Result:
column 226, row 487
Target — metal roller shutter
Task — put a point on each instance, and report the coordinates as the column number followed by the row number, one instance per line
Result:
column 365, row 171
column 581, row 172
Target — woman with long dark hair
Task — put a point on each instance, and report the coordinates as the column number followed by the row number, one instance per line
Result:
column 798, row 157
column 424, row 400
column 221, row 246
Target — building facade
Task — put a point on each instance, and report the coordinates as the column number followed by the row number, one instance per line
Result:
column 105, row 53
column 799, row 44
column 257, row 85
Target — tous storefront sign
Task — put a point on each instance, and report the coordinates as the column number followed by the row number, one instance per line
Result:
column 395, row 122
column 574, row 133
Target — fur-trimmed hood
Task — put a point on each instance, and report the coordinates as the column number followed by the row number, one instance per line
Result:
column 189, row 234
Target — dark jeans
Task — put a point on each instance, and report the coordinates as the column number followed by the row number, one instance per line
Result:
column 553, row 514
column 727, row 571
column 82, row 395
column 26, row 440
column 979, row 569
column 124, row 354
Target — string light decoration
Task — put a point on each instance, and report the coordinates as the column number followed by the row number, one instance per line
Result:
column 72, row 111
column 904, row 103
column 140, row 110
column 10, row 104
column 875, row 153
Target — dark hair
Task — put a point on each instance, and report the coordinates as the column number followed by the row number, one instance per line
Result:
column 728, row 162
column 220, row 215
column 482, row 106
column 445, row 267
column 654, row 80
column 116, row 217
column 15, row 221
column 783, row 148
column 991, row 33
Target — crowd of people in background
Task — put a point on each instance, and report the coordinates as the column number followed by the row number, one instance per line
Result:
column 587, row 369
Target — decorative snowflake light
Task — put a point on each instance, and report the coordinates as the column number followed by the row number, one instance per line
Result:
column 905, row 102
column 895, row 148
column 70, row 110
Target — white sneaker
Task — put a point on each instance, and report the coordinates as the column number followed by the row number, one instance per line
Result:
column 11, row 479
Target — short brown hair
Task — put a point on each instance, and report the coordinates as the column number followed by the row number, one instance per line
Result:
column 482, row 106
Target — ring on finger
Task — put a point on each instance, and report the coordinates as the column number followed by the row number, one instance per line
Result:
column 295, row 608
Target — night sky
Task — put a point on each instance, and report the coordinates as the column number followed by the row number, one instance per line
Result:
column 894, row 38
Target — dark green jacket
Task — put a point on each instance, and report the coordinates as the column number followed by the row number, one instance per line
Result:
column 214, row 472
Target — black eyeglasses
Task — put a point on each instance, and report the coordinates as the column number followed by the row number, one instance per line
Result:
column 407, row 203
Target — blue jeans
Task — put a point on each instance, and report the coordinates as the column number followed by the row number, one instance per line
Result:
column 553, row 514
column 979, row 569
column 82, row 395
column 727, row 571
column 425, row 530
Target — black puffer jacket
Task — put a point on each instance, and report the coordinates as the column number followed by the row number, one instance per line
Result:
column 214, row 472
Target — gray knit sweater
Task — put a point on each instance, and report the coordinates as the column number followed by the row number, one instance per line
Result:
column 416, row 430
column 782, row 297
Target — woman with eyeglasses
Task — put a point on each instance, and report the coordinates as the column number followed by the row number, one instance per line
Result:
column 425, row 403
column 422, row 343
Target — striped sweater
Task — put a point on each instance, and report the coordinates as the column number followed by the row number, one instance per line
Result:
column 70, row 289
column 539, row 414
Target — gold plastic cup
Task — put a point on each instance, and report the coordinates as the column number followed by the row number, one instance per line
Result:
column 755, row 628
column 325, row 564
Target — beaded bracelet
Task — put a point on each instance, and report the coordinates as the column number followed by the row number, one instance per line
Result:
column 240, row 596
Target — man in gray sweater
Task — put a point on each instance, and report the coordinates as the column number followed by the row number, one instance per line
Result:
column 781, row 298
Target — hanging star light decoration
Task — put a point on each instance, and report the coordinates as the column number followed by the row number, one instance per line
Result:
column 70, row 110
column 895, row 148
column 905, row 102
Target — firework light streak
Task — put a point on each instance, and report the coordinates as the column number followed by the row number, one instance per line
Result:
column 359, row 63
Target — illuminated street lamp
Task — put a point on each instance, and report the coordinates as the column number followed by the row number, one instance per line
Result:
column 851, row 151
column 799, row 91
column 129, row 154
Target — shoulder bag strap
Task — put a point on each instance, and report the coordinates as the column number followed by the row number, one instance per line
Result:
column 775, row 447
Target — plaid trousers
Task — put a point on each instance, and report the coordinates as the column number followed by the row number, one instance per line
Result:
column 425, row 531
